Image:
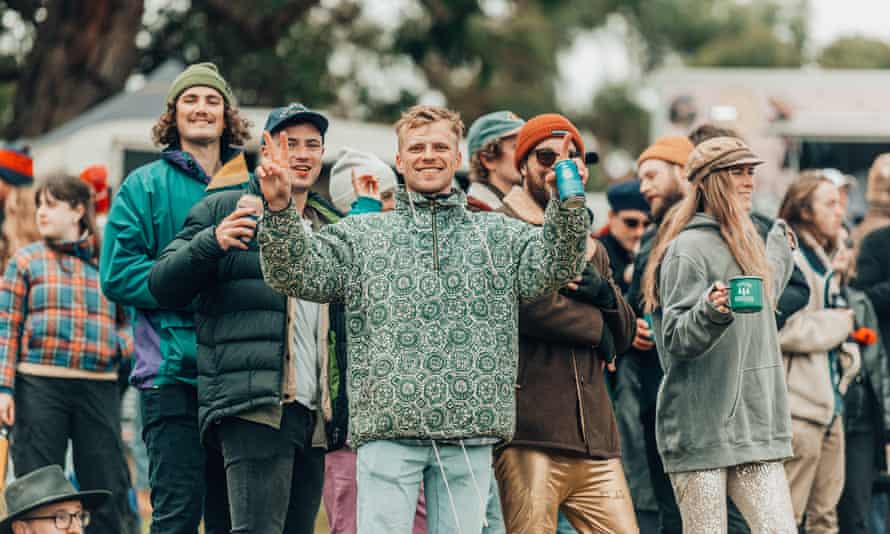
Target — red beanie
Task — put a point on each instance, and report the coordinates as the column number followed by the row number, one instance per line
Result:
column 544, row 127
column 97, row 177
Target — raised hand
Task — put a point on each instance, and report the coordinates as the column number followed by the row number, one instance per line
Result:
column 366, row 185
column 274, row 172
column 564, row 148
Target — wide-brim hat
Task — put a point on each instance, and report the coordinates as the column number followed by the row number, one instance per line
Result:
column 717, row 154
column 41, row 487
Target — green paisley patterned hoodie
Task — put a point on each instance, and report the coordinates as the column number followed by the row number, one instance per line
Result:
column 431, row 293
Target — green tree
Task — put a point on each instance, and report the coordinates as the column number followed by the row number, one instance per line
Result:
column 855, row 52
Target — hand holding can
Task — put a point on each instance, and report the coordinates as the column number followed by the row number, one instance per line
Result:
column 568, row 178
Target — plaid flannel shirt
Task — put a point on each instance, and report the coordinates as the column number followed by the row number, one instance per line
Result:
column 53, row 312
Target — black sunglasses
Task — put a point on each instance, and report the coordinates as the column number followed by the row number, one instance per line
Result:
column 633, row 223
column 547, row 157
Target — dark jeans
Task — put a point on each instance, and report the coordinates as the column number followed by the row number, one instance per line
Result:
column 178, row 468
column 49, row 412
column 670, row 521
column 861, row 459
column 275, row 477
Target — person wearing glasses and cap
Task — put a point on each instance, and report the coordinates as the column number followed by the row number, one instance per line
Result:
column 628, row 220
column 565, row 455
column 45, row 502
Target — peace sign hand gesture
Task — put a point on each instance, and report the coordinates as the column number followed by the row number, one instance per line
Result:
column 564, row 148
column 274, row 172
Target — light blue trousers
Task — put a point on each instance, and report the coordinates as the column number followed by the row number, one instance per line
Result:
column 389, row 476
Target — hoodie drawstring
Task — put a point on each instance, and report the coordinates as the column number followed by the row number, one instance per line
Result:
column 483, row 501
column 447, row 485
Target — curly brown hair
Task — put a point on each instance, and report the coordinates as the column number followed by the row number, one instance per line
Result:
column 236, row 131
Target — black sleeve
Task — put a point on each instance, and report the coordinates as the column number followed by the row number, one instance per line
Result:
column 871, row 271
column 794, row 298
column 188, row 264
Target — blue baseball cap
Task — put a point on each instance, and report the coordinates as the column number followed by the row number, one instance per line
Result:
column 295, row 114
column 492, row 126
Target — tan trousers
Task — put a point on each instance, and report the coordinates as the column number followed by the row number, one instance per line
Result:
column 535, row 485
column 816, row 474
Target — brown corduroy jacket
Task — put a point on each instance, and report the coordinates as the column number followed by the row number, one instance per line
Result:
column 561, row 399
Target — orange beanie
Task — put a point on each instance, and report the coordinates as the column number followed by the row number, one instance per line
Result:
column 544, row 127
column 672, row 149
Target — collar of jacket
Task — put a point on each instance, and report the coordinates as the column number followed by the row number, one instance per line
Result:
column 182, row 160
column 326, row 212
column 406, row 199
column 84, row 248
column 812, row 251
column 520, row 204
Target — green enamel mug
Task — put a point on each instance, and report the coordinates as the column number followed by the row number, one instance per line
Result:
column 746, row 294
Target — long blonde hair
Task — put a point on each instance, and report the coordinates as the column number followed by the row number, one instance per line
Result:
column 19, row 222
column 714, row 192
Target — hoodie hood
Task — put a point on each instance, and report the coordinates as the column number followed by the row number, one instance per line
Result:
column 701, row 221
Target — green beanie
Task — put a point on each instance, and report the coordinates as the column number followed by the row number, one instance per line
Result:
column 205, row 74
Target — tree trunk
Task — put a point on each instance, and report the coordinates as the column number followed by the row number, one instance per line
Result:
column 83, row 53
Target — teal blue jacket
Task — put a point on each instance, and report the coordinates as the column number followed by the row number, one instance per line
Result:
column 148, row 211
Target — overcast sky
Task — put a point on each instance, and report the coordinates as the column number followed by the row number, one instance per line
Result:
column 833, row 18
column 829, row 19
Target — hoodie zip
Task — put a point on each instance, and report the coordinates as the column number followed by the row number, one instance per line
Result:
column 435, row 238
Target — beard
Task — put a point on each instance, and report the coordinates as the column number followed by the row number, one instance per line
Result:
column 668, row 201
column 538, row 191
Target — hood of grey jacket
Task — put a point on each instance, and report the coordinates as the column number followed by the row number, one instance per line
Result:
column 723, row 400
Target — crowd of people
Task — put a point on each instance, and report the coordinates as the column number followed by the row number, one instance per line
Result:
column 418, row 358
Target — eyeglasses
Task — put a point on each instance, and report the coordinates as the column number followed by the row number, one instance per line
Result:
column 547, row 156
column 634, row 223
column 64, row 519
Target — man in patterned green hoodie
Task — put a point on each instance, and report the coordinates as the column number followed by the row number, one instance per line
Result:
column 431, row 293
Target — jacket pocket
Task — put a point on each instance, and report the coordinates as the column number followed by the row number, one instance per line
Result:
column 755, row 411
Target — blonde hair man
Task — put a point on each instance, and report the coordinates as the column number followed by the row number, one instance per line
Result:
column 431, row 292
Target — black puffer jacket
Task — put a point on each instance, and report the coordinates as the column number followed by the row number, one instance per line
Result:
column 242, row 324
column 873, row 275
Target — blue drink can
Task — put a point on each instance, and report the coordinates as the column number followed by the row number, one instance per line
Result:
column 569, row 184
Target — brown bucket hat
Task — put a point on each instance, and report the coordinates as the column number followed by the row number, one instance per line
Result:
column 716, row 154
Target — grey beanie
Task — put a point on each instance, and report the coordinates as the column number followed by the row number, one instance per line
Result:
column 342, row 192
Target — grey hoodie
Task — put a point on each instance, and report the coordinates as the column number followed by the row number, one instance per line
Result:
column 723, row 399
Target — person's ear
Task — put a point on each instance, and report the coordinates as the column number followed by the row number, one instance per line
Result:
column 19, row 527
column 487, row 161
